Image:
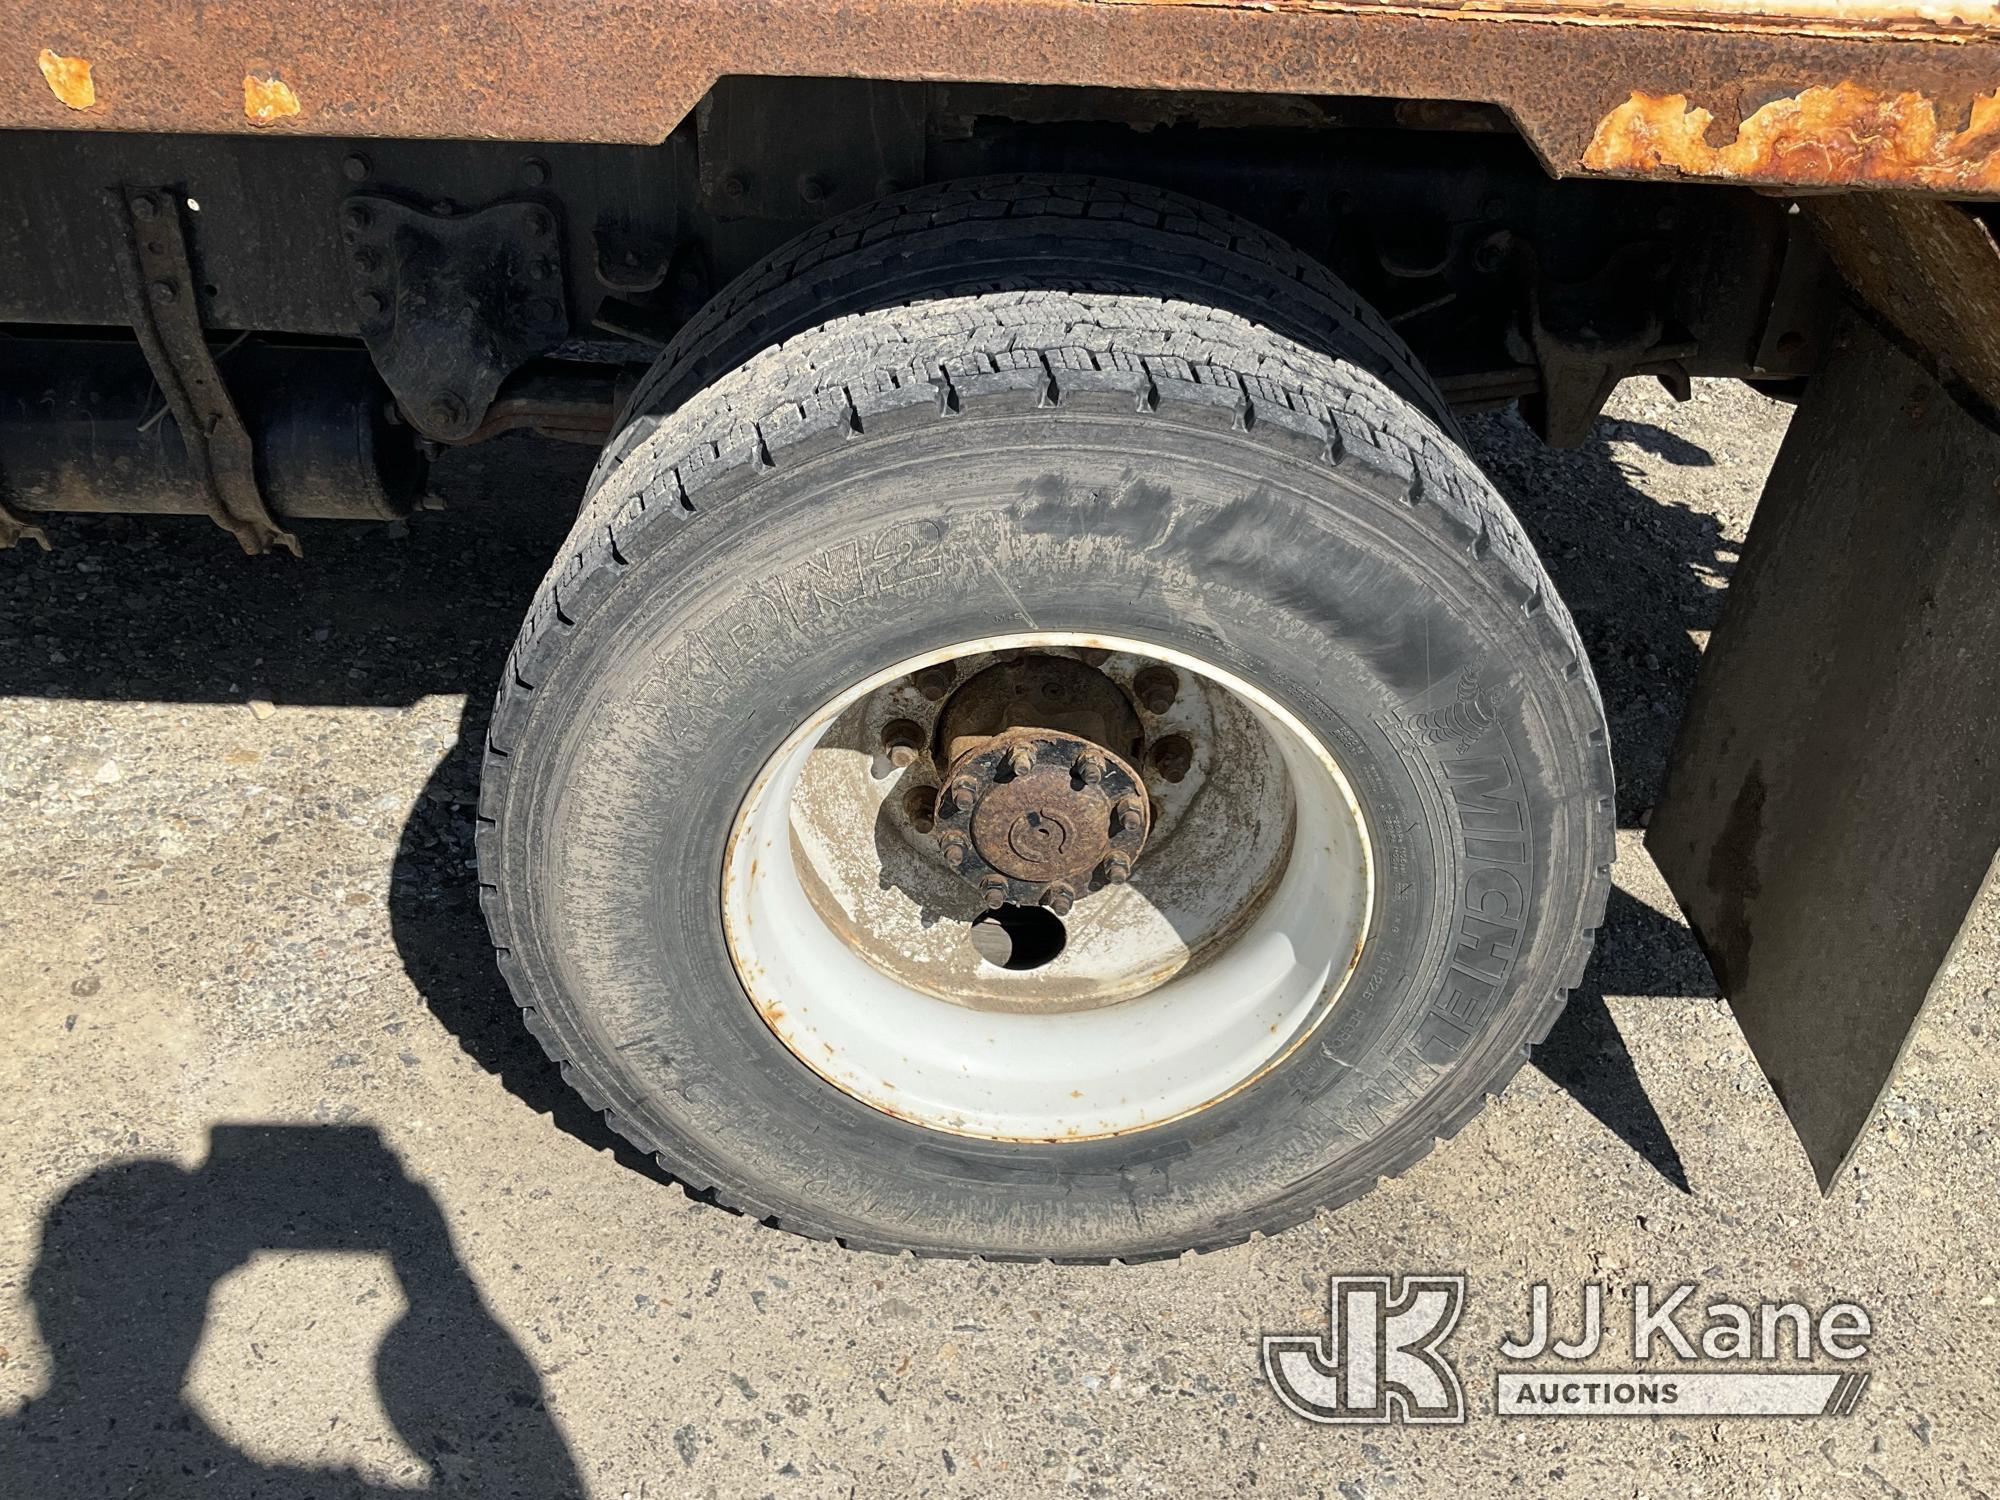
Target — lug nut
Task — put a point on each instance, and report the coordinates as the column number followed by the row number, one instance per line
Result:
column 1089, row 769
column 994, row 889
column 1128, row 816
column 959, row 797
column 951, row 848
column 920, row 807
column 934, row 682
column 1116, row 870
column 1020, row 760
column 1059, row 898
column 1174, row 756
column 1156, row 688
column 903, row 739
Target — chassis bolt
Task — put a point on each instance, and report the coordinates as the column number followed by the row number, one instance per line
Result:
column 1174, row 756
column 165, row 291
column 355, row 167
column 1020, row 760
column 534, row 171
column 356, row 216
column 1115, row 870
column 1089, row 769
column 920, row 807
column 902, row 739
column 934, row 682
column 444, row 410
column 994, row 889
column 1156, row 688
column 145, row 206
column 1059, row 898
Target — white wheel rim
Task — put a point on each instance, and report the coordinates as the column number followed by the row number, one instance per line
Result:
column 1202, row 1032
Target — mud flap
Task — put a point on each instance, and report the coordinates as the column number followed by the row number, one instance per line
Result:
column 1833, row 804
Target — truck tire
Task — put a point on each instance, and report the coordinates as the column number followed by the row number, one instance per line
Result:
column 1377, row 808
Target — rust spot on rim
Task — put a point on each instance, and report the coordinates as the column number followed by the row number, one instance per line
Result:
column 1843, row 135
column 69, row 79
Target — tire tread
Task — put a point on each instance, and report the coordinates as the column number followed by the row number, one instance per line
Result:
column 725, row 404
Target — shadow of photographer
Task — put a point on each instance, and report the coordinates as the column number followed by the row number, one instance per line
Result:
column 121, row 1285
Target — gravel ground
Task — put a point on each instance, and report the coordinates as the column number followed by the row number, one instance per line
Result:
column 291, row 1207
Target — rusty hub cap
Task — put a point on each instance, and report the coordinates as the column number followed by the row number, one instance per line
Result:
column 1038, row 807
column 1033, row 827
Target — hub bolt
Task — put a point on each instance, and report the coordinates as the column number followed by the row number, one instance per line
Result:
column 994, row 889
column 1059, row 898
column 1089, row 769
column 903, row 739
column 1174, row 756
column 1116, row 870
column 1156, row 688
column 951, row 848
column 959, row 797
column 934, row 682
column 1128, row 816
column 920, row 807
column 1021, row 760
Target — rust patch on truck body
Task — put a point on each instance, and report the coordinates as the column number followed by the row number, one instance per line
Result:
column 1561, row 70
column 1843, row 136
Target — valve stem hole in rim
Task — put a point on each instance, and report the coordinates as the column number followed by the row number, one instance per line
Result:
column 881, row 947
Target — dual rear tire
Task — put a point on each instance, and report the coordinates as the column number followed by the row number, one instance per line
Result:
column 1070, row 417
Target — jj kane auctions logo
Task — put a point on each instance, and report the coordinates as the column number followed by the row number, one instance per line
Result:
column 1382, row 1356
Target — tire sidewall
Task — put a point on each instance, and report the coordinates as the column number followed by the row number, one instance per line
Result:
column 1421, row 674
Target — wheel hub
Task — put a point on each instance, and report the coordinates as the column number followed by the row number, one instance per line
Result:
column 1040, row 816
column 1037, row 806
